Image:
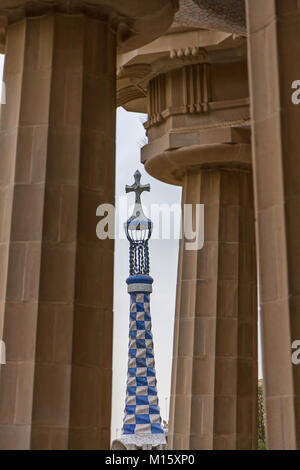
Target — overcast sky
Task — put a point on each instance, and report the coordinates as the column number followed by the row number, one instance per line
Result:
column 163, row 259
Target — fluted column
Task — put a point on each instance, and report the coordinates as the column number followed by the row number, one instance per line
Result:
column 273, row 47
column 57, row 165
column 214, row 380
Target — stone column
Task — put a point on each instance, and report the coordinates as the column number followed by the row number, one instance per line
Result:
column 273, row 67
column 214, row 380
column 142, row 426
column 57, row 166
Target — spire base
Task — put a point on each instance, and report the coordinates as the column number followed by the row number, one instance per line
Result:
column 139, row 284
column 142, row 440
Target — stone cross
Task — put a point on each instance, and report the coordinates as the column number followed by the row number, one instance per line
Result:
column 137, row 187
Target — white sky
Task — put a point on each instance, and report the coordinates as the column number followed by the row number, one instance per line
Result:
column 163, row 259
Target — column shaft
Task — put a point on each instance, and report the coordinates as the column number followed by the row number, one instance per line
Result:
column 57, row 152
column 214, row 382
column 273, row 34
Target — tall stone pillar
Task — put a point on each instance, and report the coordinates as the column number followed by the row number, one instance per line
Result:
column 273, row 47
column 57, row 139
column 214, row 380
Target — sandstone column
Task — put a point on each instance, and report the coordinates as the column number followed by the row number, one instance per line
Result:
column 214, row 381
column 57, row 141
column 57, row 152
column 274, row 44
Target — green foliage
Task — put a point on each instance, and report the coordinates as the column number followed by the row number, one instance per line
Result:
column 261, row 424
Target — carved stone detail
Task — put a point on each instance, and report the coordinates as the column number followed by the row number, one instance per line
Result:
column 195, row 98
column 156, row 99
column 196, row 88
column 189, row 53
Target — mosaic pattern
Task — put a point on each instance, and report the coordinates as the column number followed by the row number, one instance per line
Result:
column 142, row 413
column 221, row 15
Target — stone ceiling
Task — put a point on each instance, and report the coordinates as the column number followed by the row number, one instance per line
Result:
column 223, row 15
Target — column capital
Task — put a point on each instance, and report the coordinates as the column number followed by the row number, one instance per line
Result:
column 221, row 147
column 181, row 49
column 136, row 22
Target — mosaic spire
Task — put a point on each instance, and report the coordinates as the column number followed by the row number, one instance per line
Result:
column 142, row 421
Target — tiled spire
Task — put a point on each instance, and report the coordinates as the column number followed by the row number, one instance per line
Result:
column 142, row 421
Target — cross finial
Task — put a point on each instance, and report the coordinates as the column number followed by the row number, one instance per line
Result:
column 137, row 187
